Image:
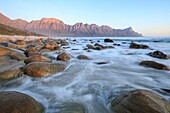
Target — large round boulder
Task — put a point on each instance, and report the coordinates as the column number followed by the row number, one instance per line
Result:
column 140, row 101
column 37, row 58
column 154, row 64
column 42, row 69
column 15, row 102
column 64, row 57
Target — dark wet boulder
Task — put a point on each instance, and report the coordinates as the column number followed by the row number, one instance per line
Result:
column 158, row 54
column 140, row 101
column 84, row 57
column 154, row 64
column 108, row 40
column 43, row 69
column 72, row 108
column 138, row 46
column 15, row 102
column 37, row 58
column 99, row 45
column 89, row 46
column 64, row 57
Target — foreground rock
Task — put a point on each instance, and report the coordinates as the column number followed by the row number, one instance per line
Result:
column 72, row 108
column 138, row 46
column 5, row 51
column 158, row 54
column 83, row 57
column 64, row 57
column 154, row 64
column 42, row 69
column 37, row 58
column 140, row 101
column 15, row 102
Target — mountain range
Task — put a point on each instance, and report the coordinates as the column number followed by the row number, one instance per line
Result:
column 55, row 27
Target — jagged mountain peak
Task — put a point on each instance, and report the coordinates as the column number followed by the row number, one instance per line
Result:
column 56, row 27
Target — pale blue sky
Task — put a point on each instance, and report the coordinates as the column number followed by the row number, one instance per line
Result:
column 149, row 17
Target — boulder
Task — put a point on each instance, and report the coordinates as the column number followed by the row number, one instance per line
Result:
column 64, row 57
column 158, row 54
column 15, row 102
column 138, row 46
column 72, row 108
column 37, row 58
column 108, row 40
column 31, row 52
column 154, row 64
column 89, row 46
column 5, row 51
column 18, row 56
column 83, row 57
column 140, row 101
column 49, row 46
column 11, row 73
column 20, row 42
column 43, row 69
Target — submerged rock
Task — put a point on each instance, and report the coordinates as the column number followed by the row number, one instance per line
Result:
column 72, row 108
column 140, row 101
column 15, row 102
column 42, row 69
column 158, row 54
column 64, row 57
column 154, row 64
column 83, row 57
column 37, row 58
column 108, row 40
column 138, row 46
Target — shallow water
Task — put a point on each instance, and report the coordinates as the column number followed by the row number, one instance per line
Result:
column 94, row 85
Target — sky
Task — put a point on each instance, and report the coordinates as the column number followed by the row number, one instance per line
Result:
column 149, row 17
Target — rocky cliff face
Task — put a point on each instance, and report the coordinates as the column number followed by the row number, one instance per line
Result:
column 55, row 27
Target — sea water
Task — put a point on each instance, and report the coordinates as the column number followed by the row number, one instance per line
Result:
column 93, row 85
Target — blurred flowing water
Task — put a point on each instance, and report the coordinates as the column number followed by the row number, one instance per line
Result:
column 92, row 85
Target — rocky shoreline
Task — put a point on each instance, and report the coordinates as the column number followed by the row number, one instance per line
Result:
column 28, row 56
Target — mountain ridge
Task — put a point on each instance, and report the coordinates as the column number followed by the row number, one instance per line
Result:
column 56, row 27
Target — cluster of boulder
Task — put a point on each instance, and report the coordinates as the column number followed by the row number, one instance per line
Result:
column 155, row 54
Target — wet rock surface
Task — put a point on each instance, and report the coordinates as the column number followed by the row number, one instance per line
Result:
column 154, row 64
column 140, row 101
column 158, row 54
column 138, row 46
column 64, row 57
column 15, row 102
column 42, row 69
